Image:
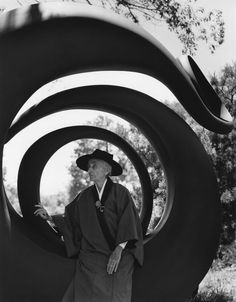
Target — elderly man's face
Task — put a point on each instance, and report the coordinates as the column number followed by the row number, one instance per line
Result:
column 97, row 170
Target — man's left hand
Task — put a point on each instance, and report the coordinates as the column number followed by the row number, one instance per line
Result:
column 114, row 260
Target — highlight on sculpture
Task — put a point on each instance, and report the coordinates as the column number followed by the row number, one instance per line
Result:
column 57, row 39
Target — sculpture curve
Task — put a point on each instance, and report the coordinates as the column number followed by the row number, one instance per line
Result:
column 64, row 22
column 175, row 154
column 192, row 217
column 40, row 152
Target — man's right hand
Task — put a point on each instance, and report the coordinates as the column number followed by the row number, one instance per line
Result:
column 42, row 212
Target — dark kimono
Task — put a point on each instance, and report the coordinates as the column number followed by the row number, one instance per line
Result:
column 87, row 240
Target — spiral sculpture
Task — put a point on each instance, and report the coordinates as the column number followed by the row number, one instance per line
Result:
column 43, row 42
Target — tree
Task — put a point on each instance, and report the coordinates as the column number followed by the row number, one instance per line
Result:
column 224, row 155
column 55, row 203
column 11, row 193
column 190, row 23
column 222, row 149
column 153, row 165
column 129, row 178
column 225, row 86
column 80, row 179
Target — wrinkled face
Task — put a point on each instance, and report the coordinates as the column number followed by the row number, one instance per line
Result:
column 98, row 170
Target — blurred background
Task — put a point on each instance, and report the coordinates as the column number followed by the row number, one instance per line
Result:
column 205, row 30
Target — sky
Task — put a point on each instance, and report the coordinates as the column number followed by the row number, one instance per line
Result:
column 208, row 63
column 58, row 164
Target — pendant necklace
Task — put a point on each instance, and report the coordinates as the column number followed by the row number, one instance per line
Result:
column 99, row 206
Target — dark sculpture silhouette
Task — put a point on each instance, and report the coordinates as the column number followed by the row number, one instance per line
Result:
column 65, row 39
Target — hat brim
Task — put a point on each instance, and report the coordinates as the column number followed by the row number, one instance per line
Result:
column 82, row 163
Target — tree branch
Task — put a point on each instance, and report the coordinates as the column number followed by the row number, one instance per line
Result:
column 135, row 19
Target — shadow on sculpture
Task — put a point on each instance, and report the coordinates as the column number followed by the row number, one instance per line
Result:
column 64, row 39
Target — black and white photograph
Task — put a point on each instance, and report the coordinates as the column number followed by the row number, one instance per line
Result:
column 118, row 148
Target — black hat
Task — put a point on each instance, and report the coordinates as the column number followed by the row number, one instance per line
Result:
column 82, row 162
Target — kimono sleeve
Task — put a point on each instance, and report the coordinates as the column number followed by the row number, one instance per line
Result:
column 129, row 227
column 68, row 226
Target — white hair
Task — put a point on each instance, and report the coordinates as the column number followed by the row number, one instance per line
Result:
column 107, row 167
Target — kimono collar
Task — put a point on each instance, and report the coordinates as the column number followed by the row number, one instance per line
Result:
column 105, row 194
column 100, row 206
column 102, row 189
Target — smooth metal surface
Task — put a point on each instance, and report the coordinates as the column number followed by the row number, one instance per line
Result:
column 46, row 46
column 63, row 39
column 193, row 208
column 39, row 153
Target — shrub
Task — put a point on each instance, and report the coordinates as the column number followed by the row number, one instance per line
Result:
column 212, row 296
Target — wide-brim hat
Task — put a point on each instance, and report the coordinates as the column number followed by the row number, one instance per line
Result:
column 82, row 162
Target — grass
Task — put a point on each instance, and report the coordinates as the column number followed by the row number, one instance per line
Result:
column 213, row 297
column 218, row 286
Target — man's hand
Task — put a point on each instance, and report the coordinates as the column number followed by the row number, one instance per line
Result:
column 114, row 260
column 42, row 212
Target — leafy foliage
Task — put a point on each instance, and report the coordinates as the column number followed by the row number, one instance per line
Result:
column 222, row 149
column 214, row 296
column 226, row 256
column 224, row 154
column 191, row 24
column 218, row 285
column 129, row 177
column 225, row 86
column 13, row 198
column 55, row 203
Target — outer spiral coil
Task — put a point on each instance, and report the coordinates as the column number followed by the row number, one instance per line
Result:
column 65, row 39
